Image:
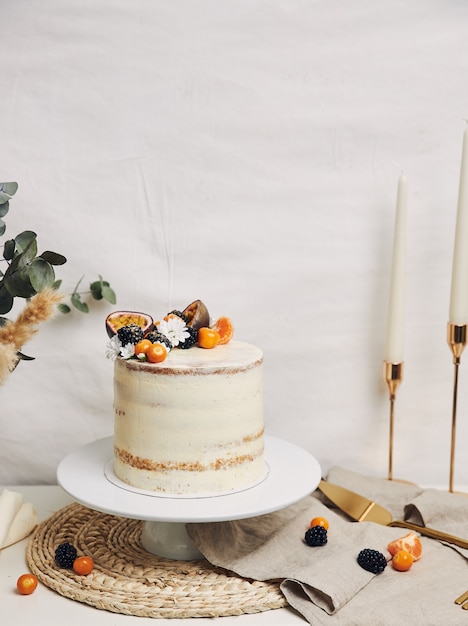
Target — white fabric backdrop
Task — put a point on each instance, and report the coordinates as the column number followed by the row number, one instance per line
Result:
column 246, row 153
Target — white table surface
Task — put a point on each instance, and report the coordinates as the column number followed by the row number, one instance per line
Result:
column 46, row 607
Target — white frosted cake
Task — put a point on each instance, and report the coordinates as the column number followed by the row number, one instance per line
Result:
column 192, row 424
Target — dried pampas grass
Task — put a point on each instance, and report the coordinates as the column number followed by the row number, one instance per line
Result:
column 13, row 335
column 8, row 360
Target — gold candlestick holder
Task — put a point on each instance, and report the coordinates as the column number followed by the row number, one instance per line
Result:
column 393, row 376
column 456, row 339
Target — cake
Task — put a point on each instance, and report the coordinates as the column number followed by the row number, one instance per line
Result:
column 192, row 423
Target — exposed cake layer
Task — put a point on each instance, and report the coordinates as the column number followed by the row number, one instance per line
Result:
column 192, row 424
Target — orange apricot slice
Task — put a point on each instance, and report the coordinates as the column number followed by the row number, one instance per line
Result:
column 410, row 542
column 225, row 328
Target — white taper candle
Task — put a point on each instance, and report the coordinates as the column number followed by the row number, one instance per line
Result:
column 396, row 304
column 458, row 312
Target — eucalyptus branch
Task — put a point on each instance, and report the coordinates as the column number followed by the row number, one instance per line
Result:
column 99, row 290
column 29, row 273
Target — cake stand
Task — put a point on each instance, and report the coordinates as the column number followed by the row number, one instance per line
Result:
column 86, row 474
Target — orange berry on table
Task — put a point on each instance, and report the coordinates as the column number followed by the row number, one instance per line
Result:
column 142, row 346
column 83, row 565
column 319, row 521
column 225, row 328
column 207, row 337
column 26, row 584
column 402, row 561
column 156, row 353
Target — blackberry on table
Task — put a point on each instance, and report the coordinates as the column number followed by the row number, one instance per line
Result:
column 65, row 554
column 316, row 536
column 132, row 333
column 372, row 560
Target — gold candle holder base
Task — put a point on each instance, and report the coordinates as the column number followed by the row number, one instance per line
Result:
column 456, row 339
column 393, row 376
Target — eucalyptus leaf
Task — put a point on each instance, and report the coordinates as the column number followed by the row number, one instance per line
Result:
column 14, row 265
column 28, row 254
column 4, row 208
column 9, row 249
column 19, row 284
column 9, row 188
column 57, row 284
column 3, row 321
column 78, row 304
column 21, row 261
column 4, row 197
column 2, row 227
column 41, row 274
column 109, row 294
column 63, row 308
column 96, row 289
column 24, row 240
column 54, row 258
column 6, row 300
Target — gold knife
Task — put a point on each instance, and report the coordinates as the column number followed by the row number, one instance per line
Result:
column 362, row 509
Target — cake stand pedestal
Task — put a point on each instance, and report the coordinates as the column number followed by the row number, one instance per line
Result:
column 86, row 474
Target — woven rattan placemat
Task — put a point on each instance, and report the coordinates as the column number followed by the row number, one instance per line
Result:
column 127, row 579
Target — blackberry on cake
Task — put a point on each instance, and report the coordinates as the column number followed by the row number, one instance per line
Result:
column 179, row 314
column 132, row 333
column 191, row 340
column 156, row 337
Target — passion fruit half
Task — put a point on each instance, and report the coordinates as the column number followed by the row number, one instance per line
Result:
column 197, row 315
column 118, row 319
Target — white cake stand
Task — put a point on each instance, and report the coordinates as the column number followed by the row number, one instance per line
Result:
column 86, row 474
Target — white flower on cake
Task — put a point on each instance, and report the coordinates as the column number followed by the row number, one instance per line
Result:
column 113, row 348
column 174, row 329
column 126, row 352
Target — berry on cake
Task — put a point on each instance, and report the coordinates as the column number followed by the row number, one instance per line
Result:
column 134, row 334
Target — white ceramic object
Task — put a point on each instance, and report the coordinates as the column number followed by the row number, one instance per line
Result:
column 170, row 540
column 86, row 474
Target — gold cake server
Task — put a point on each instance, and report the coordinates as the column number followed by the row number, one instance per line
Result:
column 362, row 509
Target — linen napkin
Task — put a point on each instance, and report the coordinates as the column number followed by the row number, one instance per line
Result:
column 427, row 507
column 325, row 584
column 17, row 518
column 442, row 510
